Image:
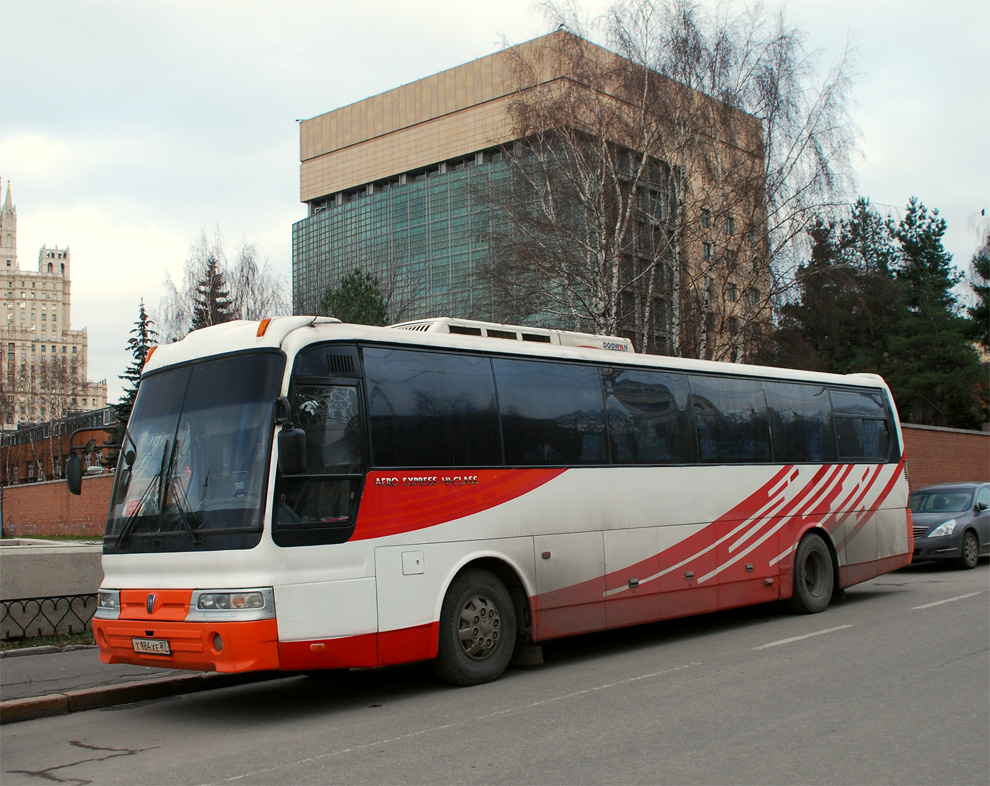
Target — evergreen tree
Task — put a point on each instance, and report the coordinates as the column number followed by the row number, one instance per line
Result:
column 213, row 305
column 923, row 263
column 979, row 313
column 358, row 299
column 937, row 378
column 847, row 300
column 867, row 240
column 143, row 338
column 878, row 297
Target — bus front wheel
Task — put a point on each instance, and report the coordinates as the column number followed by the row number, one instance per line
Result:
column 814, row 578
column 477, row 630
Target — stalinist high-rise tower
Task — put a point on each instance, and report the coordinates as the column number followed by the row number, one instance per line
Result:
column 43, row 364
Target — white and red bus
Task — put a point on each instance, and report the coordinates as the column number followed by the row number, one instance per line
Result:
column 301, row 494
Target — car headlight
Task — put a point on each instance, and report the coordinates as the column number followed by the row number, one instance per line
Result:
column 945, row 528
column 232, row 605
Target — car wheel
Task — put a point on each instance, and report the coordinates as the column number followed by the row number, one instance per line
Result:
column 477, row 630
column 814, row 579
column 969, row 555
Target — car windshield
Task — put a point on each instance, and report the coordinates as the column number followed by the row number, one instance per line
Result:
column 944, row 501
column 193, row 468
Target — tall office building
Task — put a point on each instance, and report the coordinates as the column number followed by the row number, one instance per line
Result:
column 43, row 361
column 401, row 185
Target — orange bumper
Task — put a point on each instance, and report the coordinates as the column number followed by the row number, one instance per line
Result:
column 200, row 646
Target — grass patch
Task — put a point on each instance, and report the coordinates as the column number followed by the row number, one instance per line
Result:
column 57, row 640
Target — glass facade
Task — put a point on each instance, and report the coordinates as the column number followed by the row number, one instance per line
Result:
column 424, row 234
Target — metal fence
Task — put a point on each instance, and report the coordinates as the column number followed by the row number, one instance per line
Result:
column 28, row 617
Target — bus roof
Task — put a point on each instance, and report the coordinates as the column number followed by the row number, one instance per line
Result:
column 562, row 338
column 293, row 333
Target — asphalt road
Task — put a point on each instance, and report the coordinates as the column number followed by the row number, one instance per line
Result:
column 890, row 685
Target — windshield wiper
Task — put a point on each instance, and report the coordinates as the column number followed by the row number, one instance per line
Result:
column 145, row 497
column 173, row 488
column 180, row 503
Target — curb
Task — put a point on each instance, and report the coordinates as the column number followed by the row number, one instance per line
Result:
column 17, row 710
column 45, row 649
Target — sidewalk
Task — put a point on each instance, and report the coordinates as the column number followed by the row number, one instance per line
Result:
column 43, row 681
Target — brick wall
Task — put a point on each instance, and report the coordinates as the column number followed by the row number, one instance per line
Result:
column 939, row 455
column 39, row 509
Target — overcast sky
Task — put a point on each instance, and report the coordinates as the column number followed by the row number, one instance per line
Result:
column 128, row 128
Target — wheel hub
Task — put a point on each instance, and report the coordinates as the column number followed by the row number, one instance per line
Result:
column 480, row 627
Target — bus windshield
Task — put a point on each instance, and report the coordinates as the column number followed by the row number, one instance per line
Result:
column 193, row 468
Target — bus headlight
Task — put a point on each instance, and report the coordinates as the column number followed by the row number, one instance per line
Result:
column 228, row 605
column 212, row 601
column 108, row 605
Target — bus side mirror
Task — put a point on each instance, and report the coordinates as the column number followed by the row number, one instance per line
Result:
column 291, row 450
column 73, row 473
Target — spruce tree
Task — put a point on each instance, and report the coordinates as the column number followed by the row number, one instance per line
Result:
column 143, row 338
column 214, row 305
column 937, row 379
column 979, row 312
column 877, row 296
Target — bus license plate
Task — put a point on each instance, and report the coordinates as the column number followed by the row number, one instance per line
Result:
column 151, row 646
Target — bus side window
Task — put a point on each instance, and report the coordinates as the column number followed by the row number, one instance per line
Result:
column 648, row 418
column 862, row 439
column 319, row 506
column 329, row 416
column 861, row 426
column 552, row 413
column 431, row 409
column 800, row 422
column 732, row 421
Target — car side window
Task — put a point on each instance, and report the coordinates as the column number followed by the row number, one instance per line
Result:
column 983, row 498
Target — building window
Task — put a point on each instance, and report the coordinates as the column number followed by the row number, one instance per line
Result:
column 732, row 293
column 730, row 225
column 706, row 217
column 706, row 252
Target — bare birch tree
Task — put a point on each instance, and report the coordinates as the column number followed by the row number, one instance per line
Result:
column 58, row 385
column 255, row 289
column 664, row 193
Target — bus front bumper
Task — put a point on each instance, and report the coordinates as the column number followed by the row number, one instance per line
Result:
column 198, row 646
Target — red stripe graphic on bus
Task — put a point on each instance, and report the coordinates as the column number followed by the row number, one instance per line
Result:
column 763, row 529
column 395, row 502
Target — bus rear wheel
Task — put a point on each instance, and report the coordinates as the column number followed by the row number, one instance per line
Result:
column 477, row 630
column 814, row 578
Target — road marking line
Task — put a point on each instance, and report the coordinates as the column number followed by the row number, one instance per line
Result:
column 947, row 600
column 800, row 638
